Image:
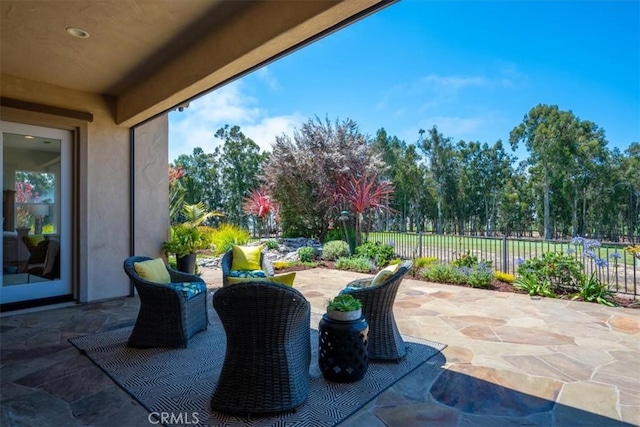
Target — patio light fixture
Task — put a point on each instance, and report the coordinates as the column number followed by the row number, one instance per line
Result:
column 77, row 32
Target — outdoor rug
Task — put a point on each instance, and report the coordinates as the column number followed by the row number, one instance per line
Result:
column 181, row 381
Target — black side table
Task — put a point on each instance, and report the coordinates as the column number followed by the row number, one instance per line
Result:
column 342, row 355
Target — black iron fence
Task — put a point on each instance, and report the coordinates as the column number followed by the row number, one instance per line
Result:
column 613, row 265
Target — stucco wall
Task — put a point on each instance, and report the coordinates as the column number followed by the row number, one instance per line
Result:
column 107, row 209
column 151, row 185
column 103, row 182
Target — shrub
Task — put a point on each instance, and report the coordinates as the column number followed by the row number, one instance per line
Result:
column 335, row 249
column 207, row 234
column 358, row 263
column 380, row 253
column 444, row 273
column 227, row 235
column 337, row 233
column 504, row 277
column 422, row 262
column 280, row 265
column 271, row 244
column 480, row 276
column 306, row 254
column 465, row 260
column 560, row 270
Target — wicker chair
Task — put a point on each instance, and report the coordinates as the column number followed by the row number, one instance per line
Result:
column 385, row 341
column 227, row 262
column 266, row 365
column 166, row 318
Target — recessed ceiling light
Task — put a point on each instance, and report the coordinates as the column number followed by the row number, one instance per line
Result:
column 28, row 137
column 78, row 32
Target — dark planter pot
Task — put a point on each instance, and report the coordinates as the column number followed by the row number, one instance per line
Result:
column 186, row 264
column 343, row 349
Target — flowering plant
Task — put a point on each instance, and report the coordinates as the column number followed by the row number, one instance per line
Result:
column 634, row 250
column 559, row 270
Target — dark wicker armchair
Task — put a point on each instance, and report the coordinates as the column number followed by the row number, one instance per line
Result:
column 227, row 262
column 266, row 365
column 385, row 341
column 166, row 317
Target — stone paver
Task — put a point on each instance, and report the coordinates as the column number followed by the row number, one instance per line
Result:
column 510, row 361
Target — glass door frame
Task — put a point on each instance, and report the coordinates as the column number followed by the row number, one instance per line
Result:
column 62, row 287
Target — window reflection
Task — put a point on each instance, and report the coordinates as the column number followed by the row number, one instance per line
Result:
column 31, row 228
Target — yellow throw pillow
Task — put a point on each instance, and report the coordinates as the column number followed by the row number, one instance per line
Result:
column 246, row 257
column 384, row 274
column 284, row 279
column 153, row 270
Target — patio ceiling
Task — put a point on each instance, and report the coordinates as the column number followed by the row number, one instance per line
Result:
column 153, row 55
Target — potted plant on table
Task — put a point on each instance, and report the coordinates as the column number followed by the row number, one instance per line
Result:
column 344, row 307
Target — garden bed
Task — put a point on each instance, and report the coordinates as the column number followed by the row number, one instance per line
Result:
column 621, row 300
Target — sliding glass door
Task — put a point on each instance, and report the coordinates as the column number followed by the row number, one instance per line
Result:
column 36, row 213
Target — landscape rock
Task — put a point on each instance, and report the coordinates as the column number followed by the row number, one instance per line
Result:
column 287, row 250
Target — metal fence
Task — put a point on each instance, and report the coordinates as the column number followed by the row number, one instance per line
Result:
column 616, row 267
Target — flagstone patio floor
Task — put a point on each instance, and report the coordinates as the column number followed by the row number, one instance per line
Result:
column 510, row 361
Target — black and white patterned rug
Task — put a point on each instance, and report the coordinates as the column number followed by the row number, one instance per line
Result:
column 178, row 383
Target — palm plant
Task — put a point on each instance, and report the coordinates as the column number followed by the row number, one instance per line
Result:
column 196, row 214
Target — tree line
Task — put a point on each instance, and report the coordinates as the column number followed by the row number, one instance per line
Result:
column 570, row 184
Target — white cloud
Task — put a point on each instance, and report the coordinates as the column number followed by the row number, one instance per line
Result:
column 265, row 131
column 229, row 105
column 455, row 82
column 264, row 74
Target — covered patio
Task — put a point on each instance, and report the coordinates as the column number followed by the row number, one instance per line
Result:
column 510, row 360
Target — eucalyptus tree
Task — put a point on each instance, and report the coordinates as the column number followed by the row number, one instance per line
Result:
column 404, row 167
column 409, row 180
column 483, row 174
column 471, row 183
column 630, row 167
column 586, row 172
column 240, row 165
column 440, row 156
column 549, row 136
column 390, row 150
column 518, row 204
column 200, row 179
column 624, row 191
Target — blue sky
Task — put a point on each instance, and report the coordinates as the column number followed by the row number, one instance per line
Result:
column 473, row 69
